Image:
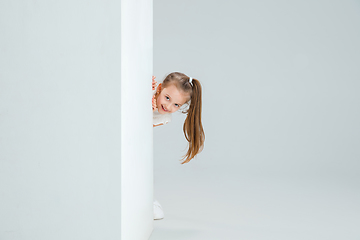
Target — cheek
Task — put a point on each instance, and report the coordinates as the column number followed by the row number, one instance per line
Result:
column 158, row 101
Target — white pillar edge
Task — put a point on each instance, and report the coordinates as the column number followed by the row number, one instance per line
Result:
column 136, row 119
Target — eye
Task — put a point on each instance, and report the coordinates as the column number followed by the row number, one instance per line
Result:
column 176, row 105
column 167, row 98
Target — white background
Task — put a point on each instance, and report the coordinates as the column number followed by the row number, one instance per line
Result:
column 281, row 115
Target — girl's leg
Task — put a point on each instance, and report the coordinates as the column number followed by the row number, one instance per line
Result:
column 158, row 212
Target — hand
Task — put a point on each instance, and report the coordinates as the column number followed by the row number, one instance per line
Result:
column 153, row 83
column 154, row 103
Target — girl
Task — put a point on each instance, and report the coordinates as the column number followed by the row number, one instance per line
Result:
column 175, row 91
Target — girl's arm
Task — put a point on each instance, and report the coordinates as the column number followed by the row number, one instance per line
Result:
column 153, row 99
column 154, row 96
column 153, row 83
column 154, row 108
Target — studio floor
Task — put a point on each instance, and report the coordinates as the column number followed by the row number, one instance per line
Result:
column 213, row 202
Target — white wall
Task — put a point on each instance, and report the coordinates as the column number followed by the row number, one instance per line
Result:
column 136, row 120
column 280, row 82
column 60, row 120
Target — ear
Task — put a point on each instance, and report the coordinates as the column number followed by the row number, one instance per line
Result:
column 158, row 90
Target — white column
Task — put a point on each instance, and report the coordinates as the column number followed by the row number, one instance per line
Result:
column 66, row 116
column 136, row 119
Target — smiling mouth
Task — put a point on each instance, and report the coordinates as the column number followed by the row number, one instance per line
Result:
column 164, row 108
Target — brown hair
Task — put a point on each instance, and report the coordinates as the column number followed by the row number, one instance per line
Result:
column 193, row 130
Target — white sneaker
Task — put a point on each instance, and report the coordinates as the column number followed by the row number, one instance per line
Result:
column 158, row 212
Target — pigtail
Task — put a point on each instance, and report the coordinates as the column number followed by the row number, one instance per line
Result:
column 193, row 130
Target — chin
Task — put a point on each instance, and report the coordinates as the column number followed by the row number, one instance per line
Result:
column 162, row 111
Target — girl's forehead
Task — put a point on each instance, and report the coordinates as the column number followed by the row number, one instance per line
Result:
column 175, row 94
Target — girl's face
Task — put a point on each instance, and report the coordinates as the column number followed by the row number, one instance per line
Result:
column 171, row 99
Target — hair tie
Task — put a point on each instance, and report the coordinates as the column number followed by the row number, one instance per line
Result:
column 190, row 81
